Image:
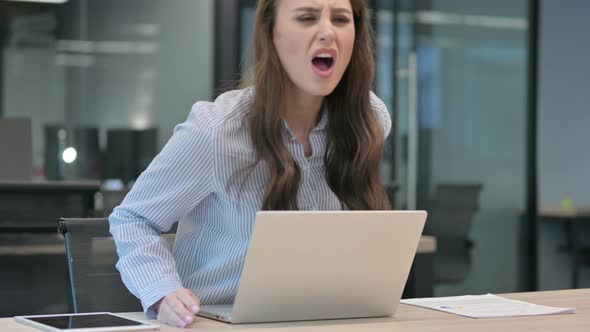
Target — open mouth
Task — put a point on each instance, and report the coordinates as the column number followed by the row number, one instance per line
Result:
column 323, row 62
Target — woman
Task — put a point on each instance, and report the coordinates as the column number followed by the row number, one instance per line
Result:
column 308, row 134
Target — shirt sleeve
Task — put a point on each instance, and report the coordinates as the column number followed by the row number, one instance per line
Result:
column 178, row 178
column 383, row 116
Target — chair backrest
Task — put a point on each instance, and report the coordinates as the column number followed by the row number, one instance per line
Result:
column 450, row 215
column 96, row 284
column 451, row 210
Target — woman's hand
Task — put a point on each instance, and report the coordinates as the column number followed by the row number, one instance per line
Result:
column 178, row 308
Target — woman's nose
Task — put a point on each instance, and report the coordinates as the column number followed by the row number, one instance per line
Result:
column 326, row 32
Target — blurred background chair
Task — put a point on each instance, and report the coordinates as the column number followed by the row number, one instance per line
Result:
column 95, row 282
column 450, row 214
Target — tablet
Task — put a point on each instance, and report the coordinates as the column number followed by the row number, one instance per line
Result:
column 87, row 322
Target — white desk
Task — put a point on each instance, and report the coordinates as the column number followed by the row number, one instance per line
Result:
column 564, row 213
column 427, row 245
column 410, row 319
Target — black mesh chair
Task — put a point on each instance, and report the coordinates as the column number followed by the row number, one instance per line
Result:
column 450, row 215
column 96, row 284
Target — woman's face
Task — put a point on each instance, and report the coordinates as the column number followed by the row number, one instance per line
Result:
column 314, row 41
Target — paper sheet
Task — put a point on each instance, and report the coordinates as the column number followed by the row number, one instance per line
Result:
column 485, row 306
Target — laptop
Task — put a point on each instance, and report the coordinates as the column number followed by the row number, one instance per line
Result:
column 312, row 265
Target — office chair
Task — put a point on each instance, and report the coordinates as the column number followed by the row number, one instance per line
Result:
column 95, row 282
column 450, row 214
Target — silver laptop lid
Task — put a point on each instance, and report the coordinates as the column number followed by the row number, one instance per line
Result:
column 307, row 265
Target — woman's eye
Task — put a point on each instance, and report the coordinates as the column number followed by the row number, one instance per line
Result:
column 341, row 20
column 306, row 18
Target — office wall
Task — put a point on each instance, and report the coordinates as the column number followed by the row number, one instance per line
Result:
column 33, row 88
column 157, row 83
column 564, row 102
column 150, row 61
column 564, row 118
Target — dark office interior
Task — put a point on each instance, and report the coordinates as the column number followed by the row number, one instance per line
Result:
column 487, row 99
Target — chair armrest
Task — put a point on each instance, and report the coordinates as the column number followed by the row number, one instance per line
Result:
column 62, row 227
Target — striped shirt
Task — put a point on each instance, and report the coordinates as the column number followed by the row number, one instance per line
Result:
column 193, row 181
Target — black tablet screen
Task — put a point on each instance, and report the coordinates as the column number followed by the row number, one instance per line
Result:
column 84, row 321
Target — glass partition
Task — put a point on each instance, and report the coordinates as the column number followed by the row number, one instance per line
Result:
column 457, row 71
column 104, row 81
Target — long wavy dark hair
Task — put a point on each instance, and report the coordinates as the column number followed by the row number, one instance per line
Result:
column 354, row 136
